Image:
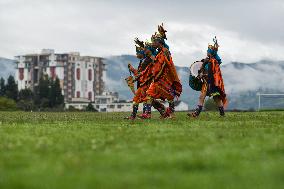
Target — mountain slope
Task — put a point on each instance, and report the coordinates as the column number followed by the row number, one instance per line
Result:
column 7, row 67
column 242, row 81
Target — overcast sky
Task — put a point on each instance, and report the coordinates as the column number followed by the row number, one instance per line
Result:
column 248, row 31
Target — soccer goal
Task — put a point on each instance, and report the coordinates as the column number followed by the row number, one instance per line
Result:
column 270, row 101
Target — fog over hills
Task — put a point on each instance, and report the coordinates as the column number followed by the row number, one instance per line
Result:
column 7, row 67
column 242, row 80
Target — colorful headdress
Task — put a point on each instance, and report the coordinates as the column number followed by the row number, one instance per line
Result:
column 150, row 47
column 161, row 36
column 162, row 31
column 213, row 50
column 139, row 46
column 157, row 37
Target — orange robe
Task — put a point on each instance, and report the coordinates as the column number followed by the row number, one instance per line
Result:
column 215, row 80
column 166, row 84
column 144, row 75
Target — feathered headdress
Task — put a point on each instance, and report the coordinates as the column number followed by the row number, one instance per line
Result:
column 139, row 46
column 139, row 43
column 162, row 31
column 149, row 46
column 213, row 49
column 160, row 36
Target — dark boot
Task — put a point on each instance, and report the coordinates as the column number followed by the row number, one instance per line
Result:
column 222, row 112
column 160, row 107
column 147, row 114
column 144, row 107
column 134, row 112
column 171, row 110
column 196, row 112
column 144, row 110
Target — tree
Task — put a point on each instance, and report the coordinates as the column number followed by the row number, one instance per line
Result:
column 41, row 92
column 26, row 105
column 26, row 94
column 55, row 93
column 58, row 93
column 2, row 87
column 48, row 94
column 90, row 108
column 210, row 105
column 44, row 103
column 11, row 89
column 43, row 87
column 26, row 100
column 51, row 94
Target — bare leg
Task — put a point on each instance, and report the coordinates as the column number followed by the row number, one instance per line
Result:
column 199, row 107
column 202, row 97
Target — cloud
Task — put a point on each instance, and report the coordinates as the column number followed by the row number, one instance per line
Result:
column 186, row 49
column 252, row 78
column 247, row 30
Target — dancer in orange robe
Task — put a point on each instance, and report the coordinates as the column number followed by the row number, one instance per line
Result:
column 166, row 84
column 213, row 85
column 144, row 78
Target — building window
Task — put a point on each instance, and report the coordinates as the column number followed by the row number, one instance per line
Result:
column 78, row 73
column 78, row 94
column 103, row 101
column 21, row 73
column 52, row 72
column 90, row 74
column 90, row 95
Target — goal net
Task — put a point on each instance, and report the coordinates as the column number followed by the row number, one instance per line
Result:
column 270, row 101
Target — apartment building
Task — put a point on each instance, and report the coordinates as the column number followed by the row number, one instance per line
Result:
column 81, row 77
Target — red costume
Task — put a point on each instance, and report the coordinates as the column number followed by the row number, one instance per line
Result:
column 166, row 84
column 144, row 79
column 215, row 81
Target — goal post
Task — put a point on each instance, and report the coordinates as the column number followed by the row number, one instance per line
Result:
column 262, row 96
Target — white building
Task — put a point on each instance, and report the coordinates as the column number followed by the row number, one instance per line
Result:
column 180, row 106
column 107, row 102
column 81, row 77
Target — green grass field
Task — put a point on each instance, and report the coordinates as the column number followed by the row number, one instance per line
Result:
column 101, row 150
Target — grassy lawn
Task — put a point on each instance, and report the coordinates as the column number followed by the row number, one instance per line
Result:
column 101, row 150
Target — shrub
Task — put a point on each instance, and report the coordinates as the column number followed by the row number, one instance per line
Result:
column 7, row 104
column 73, row 109
column 210, row 105
column 90, row 108
column 26, row 105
